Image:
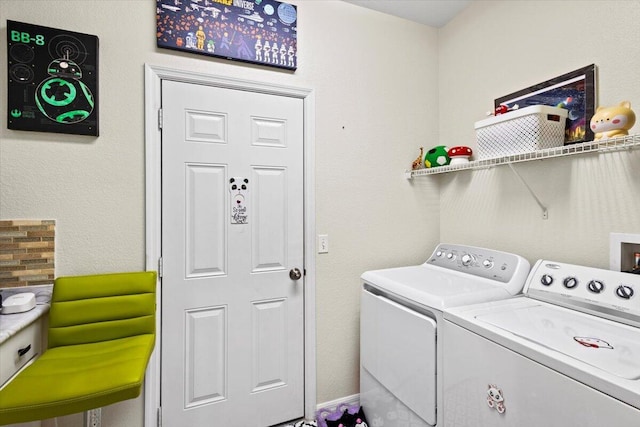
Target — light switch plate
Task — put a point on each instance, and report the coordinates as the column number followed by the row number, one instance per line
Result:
column 323, row 243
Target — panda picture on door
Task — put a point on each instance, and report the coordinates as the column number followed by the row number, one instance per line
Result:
column 239, row 188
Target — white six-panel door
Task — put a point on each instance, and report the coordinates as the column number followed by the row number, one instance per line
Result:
column 232, row 324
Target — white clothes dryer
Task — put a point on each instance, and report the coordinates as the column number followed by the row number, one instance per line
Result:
column 565, row 353
column 401, row 313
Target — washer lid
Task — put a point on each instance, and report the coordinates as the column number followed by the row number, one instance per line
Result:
column 435, row 287
column 607, row 345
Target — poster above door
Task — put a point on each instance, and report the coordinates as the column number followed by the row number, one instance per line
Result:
column 261, row 32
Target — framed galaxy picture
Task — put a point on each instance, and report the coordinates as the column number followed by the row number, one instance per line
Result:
column 52, row 80
column 256, row 31
column 575, row 91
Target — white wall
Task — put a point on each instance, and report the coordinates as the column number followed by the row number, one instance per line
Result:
column 384, row 87
column 494, row 48
column 375, row 81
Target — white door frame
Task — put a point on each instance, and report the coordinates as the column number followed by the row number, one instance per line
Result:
column 153, row 220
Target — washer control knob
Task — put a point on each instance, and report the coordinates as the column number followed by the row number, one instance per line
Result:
column 439, row 254
column 595, row 286
column 624, row 291
column 467, row 259
column 570, row 282
column 451, row 256
column 487, row 263
column 546, row 279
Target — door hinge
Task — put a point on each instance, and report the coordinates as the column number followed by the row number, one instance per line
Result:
column 160, row 416
column 160, row 267
column 160, row 120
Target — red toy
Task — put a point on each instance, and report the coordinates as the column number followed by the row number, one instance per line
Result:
column 501, row 109
column 459, row 154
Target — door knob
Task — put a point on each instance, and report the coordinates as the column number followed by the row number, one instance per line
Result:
column 295, row 274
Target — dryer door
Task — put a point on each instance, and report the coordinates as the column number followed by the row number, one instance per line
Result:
column 398, row 349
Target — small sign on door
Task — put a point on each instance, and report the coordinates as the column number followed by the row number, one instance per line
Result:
column 239, row 188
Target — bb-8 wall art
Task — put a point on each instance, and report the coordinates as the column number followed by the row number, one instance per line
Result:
column 53, row 80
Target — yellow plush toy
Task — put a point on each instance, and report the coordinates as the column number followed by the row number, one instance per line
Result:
column 612, row 122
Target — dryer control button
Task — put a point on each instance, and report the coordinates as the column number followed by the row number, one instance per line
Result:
column 624, row 291
column 570, row 282
column 487, row 263
column 467, row 259
column 595, row 286
column 546, row 280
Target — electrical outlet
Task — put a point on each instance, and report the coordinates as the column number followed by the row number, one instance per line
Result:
column 94, row 417
column 323, row 243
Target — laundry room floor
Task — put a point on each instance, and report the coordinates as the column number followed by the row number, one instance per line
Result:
column 303, row 424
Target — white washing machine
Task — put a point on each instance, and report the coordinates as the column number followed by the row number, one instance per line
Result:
column 401, row 313
column 565, row 353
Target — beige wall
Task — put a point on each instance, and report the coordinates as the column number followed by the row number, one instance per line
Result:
column 494, row 48
column 383, row 87
column 375, row 82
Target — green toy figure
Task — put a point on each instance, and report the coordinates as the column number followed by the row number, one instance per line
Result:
column 437, row 156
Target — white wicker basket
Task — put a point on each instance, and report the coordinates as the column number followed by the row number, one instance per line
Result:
column 521, row 131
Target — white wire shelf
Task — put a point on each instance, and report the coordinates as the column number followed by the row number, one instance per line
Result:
column 603, row 145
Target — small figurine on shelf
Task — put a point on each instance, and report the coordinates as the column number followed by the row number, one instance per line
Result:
column 459, row 155
column 437, row 156
column 565, row 103
column 418, row 163
column 501, row 109
column 613, row 122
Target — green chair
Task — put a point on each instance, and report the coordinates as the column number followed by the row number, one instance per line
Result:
column 100, row 338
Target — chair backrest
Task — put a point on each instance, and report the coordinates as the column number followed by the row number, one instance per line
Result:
column 86, row 309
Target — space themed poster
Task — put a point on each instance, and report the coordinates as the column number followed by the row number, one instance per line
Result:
column 575, row 91
column 52, row 80
column 256, row 31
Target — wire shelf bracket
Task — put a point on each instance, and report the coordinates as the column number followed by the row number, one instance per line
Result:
column 545, row 211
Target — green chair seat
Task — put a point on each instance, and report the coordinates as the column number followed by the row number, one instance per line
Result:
column 101, row 335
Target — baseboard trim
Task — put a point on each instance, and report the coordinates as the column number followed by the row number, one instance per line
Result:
column 332, row 405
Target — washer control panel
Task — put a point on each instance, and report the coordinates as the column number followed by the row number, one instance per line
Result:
column 487, row 263
column 611, row 294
